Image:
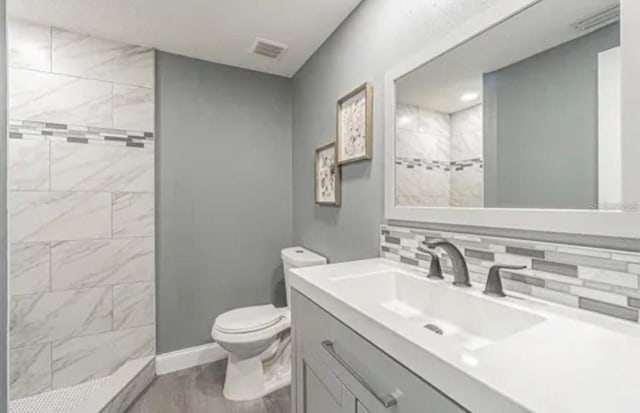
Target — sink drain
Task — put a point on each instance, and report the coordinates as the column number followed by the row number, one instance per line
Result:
column 434, row 328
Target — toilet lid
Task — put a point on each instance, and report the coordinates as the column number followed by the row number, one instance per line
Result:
column 248, row 319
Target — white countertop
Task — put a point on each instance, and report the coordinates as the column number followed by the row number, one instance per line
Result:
column 574, row 361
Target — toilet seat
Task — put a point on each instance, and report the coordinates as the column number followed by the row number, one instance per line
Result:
column 236, row 326
column 248, row 319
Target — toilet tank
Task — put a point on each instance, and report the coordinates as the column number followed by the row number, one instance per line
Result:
column 297, row 257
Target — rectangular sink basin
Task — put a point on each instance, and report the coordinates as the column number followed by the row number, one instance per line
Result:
column 453, row 313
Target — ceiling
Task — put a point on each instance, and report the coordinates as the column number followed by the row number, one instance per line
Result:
column 221, row 31
column 440, row 84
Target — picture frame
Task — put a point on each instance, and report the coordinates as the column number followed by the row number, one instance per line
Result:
column 327, row 177
column 354, row 119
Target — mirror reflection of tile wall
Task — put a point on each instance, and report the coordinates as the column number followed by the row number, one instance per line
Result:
column 439, row 157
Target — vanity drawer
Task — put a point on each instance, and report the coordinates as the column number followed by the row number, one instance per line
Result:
column 373, row 377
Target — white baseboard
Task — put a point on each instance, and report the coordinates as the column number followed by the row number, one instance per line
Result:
column 189, row 357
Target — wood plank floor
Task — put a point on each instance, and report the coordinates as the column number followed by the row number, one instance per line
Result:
column 199, row 390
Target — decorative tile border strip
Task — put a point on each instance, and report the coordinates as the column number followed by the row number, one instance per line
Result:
column 423, row 163
column 598, row 280
column 24, row 129
column 467, row 163
column 446, row 166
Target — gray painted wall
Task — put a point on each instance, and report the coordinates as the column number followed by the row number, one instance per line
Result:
column 223, row 200
column 377, row 35
column 4, row 292
column 541, row 133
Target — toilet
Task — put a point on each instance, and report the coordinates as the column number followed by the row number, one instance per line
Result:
column 258, row 339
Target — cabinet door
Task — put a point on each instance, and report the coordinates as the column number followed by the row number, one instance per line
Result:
column 361, row 408
column 318, row 397
column 315, row 388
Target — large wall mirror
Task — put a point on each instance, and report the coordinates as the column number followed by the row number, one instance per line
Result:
column 525, row 115
column 522, row 115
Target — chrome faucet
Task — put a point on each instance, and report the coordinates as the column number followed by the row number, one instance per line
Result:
column 460, row 270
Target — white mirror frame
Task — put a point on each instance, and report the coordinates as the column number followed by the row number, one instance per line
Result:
column 604, row 223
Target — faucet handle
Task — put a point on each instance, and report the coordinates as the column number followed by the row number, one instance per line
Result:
column 435, row 270
column 494, row 282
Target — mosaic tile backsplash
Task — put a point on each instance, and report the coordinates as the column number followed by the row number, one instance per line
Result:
column 598, row 280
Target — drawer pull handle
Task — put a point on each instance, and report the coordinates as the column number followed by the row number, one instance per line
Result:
column 387, row 400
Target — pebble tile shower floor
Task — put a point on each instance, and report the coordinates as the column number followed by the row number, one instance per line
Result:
column 64, row 400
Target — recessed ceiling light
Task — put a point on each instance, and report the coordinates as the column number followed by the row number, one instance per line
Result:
column 468, row 97
column 404, row 120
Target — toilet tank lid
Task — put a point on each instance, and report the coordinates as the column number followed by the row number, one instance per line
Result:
column 301, row 257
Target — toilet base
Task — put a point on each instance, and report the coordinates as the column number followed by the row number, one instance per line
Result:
column 278, row 384
column 252, row 378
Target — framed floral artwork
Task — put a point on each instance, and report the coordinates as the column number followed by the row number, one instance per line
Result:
column 327, row 176
column 355, row 125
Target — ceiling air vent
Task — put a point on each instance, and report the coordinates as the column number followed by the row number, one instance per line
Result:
column 598, row 20
column 268, row 48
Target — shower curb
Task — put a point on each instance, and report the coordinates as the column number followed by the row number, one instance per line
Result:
column 122, row 388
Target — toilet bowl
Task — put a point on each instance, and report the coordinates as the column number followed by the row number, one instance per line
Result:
column 257, row 339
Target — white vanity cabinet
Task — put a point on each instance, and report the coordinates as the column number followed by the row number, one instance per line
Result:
column 337, row 370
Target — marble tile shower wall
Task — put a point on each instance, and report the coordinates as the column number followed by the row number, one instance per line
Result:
column 422, row 157
column 81, row 206
column 439, row 157
column 598, row 280
column 467, row 175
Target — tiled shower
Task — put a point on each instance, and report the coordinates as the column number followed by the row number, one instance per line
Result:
column 81, row 207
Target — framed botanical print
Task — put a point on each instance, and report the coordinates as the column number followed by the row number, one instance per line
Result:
column 355, row 125
column 327, row 176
